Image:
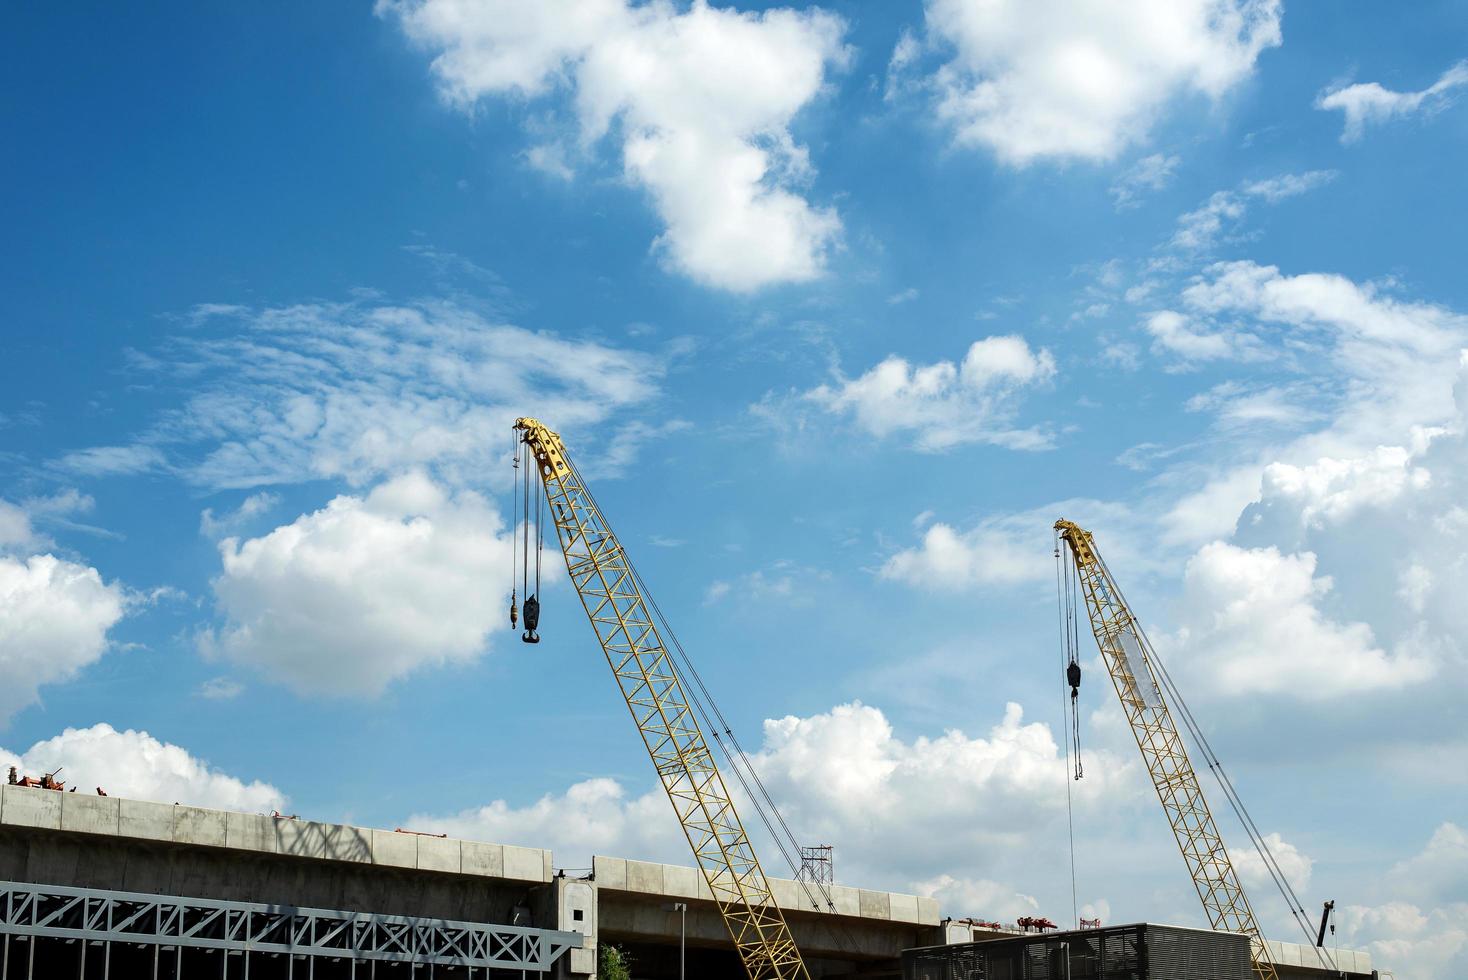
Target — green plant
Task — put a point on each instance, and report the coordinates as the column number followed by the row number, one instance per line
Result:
column 614, row 965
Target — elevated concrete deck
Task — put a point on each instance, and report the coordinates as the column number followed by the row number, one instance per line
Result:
column 82, row 841
column 138, row 820
column 673, row 881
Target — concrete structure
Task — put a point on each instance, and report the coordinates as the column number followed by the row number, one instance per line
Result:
column 185, row 853
column 137, row 848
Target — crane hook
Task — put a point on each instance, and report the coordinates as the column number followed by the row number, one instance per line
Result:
column 532, row 620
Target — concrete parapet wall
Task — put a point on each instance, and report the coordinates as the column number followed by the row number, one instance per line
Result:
column 1352, row 961
column 634, row 898
column 109, row 816
column 677, row 881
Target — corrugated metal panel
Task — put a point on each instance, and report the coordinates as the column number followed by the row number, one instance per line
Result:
column 1188, row 954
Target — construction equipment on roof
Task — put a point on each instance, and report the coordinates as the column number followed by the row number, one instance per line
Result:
column 1129, row 660
column 46, row 780
column 611, row 593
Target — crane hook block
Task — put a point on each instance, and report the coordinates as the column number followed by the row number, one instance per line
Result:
column 514, row 610
column 532, row 620
column 1073, row 678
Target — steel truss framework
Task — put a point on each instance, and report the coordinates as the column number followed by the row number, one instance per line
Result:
column 1128, row 654
column 604, row 580
column 103, row 916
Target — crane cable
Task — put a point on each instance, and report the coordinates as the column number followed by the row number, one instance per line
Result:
column 739, row 762
column 1066, row 611
column 1231, row 793
column 514, row 506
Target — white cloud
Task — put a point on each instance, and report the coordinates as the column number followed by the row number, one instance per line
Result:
column 994, row 552
column 1329, row 490
column 1368, row 102
column 221, row 689
column 357, row 391
column 1422, row 930
column 899, row 809
column 1236, row 405
column 253, row 506
column 1439, row 872
column 1059, row 79
column 1253, row 623
column 976, row 898
column 1177, row 334
column 1358, row 312
column 1200, row 229
column 1296, row 865
column 1424, row 944
column 54, row 619
column 703, row 100
column 16, row 530
column 1151, row 173
column 1003, row 550
column 113, row 460
column 944, row 405
column 366, row 590
column 594, row 816
column 1377, row 368
column 782, row 580
column 136, row 765
column 1276, row 189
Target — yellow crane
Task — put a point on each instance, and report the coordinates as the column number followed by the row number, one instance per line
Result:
column 1129, row 660
column 650, row 684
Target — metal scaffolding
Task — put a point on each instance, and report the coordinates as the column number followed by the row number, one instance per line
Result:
column 93, row 919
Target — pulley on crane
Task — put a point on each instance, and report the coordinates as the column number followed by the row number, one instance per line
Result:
column 520, row 554
column 1070, row 638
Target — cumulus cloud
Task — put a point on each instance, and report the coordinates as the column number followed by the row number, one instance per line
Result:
column 1006, row 549
column 1411, row 941
column 993, row 552
column 701, row 100
column 1032, row 80
column 1296, row 864
column 136, row 765
column 54, row 620
column 1369, row 102
column 977, row 898
column 1253, row 622
column 357, row 391
column 594, row 816
column 943, row 405
column 16, row 530
column 1330, row 490
column 900, row 808
column 365, row 591
column 1422, row 929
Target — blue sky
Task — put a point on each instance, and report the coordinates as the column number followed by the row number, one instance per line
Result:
column 840, row 306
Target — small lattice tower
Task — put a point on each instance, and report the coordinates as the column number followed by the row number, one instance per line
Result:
column 817, row 865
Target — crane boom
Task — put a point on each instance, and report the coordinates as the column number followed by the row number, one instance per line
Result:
column 650, row 684
column 1128, row 656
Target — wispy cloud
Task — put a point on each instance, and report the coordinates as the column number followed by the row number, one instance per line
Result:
column 1368, row 102
column 358, row 390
